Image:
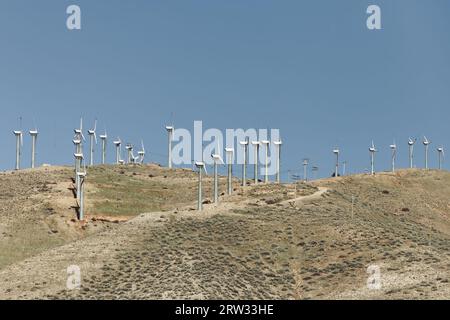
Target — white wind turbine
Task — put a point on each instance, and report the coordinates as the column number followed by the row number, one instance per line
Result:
column 79, row 137
column 19, row 145
column 441, row 156
column 336, row 169
column 266, row 143
column 141, row 153
column 426, row 143
column 230, row 156
column 79, row 157
column 103, row 138
column 278, row 151
column 170, row 130
column 305, row 169
column 129, row 148
column 372, row 151
column 244, row 144
column 411, row 143
column 81, row 178
column 33, row 133
column 92, row 137
column 393, row 155
column 201, row 167
column 217, row 158
column 256, row 145
column 118, row 144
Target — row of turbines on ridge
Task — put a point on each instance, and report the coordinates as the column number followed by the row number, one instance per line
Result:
column 81, row 172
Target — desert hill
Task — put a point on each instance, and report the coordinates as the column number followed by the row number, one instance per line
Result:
column 143, row 238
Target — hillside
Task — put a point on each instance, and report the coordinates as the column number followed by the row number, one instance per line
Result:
column 143, row 238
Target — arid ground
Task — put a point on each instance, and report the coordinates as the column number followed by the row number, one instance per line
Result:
column 144, row 239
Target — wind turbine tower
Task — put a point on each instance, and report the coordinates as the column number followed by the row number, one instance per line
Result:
column 33, row 134
column 256, row 145
column 411, row 143
column 78, row 161
column 129, row 148
column 336, row 170
column 266, row 143
column 278, row 151
column 118, row 144
column 244, row 144
column 441, row 155
column 141, row 153
column 19, row 144
column 217, row 158
column 230, row 156
column 393, row 155
column 103, row 138
column 426, row 143
column 305, row 169
column 92, row 137
column 372, row 151
column 170, row 130
column 201, row 167
column 81, row 179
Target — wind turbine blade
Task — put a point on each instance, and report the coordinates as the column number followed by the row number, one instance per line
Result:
column 95, row 137
column 204, row 168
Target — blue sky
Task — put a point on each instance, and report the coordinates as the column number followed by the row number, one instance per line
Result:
column 310, row 68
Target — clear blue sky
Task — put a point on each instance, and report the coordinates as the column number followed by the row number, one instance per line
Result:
column 310, row 68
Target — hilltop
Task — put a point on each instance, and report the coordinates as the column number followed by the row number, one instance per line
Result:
column 143, row 238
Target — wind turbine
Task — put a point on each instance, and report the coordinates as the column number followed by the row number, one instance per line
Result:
column 411, row 143
column 393, row 155
column 426, row 143
column 141, row 153
column 266, row 143
column 244, row 144
column 230, row 156
column 201, row 167
column 19, row 145
column 104, row 137
column 344, row 167
column 170, row 130
column 79, row 157
column 33, row 134
column 256, row 145
column 336, row 170
column 92, row 136
column 79, row 137
column 217, row 158
column 441, row 156
column 81, row 179
column 278, row 151
column 372, row 151
column 305, row 169
column 129, row 148
column 118, row 144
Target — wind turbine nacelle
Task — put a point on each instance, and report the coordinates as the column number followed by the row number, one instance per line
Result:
column 243, row 143
column 256, row 143
column 278, row 142
column 265, row 142
column 33, row 132
column 336, row 151
column 199, row 164
column 169, row 128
